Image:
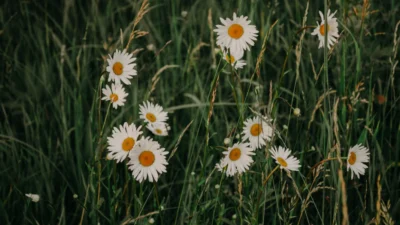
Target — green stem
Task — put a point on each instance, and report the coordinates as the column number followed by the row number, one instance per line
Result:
column 260, row 192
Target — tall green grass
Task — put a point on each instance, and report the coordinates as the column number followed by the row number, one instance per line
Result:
column 53, row 61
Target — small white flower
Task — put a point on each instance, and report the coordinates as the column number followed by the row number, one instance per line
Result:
column 358, row 155
column 237, row 34
column 116, row 94
column 151, row 221
column 257, row 131
column 150, row 47
column 75, row 196
column 33, row 197
column 184, row 14
column 333, row 32
column 158, row 128
column 121, row 67
column 296, row 112
column 192, row 173
column 152, row 113
column 227, row 141
column 147, row 160
column 237, row 159
column 217, row 186
column 122, row 141
column 235, row 59
column 234, row 216
column 281, row 156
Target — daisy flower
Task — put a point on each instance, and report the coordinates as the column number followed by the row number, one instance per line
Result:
column 236, row 34
column 122, row 141
column 358, row 155
column 148, row 160
column 281, row 156
column 237, row 159
column 121, row 67
column 152, row 113
column 333, row 32
column 116, row 94
column 257, row 131
column 159, row 128
column 235, row 59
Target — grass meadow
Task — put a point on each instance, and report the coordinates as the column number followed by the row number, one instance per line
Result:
column 54, row 125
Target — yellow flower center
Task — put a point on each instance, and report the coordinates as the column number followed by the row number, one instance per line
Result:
column 235, row 154
column 114, row 97
column 230, row 59
column 352, row 158
column 146, row 158
column 256, row 129
column 282, row 162
column 151, row 117
column 158, row 131
column 235, row 31
column 128, row 144
column 322, row 29
column 118, row 68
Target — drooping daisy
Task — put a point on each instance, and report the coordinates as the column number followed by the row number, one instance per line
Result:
column 281, row 156
column 147, row 160
column 235, row 59
column 358, row 155
column 116, row 94
column 257, row 131
column 152, row 113
column 237, row 159
column 159, row 128
column 237, row 34
column 122, row 141
column 333, row 32
column 121, row 67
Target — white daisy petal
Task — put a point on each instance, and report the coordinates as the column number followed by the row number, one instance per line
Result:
column 358, row 155
column 237, row 159
column 158, row 128
column 333, row 32
column 121, row 67
column 282, row 157
column 152, row 113
column 147, row 160
column 257, row 131
column 236, row 34
column 122, row 141
column 116, row 94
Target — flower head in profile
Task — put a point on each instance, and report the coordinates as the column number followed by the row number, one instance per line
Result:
column 33, row 197
column 236, row 34
column 257, row 131
column 235, row 59
column 237, row 159
column 331, row 27
column 358, row 155
column 283, row 158
column 116, row 94
column 121, row 67
column 159, row 128
column 123, row 140
column 147, row 160
column 152, row 113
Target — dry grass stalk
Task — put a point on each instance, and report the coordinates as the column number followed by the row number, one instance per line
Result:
column 264, row 47
column 386, row 218
column 393, row 61
column 300, row 43
column 210, row 25
column 378, row 201
column 179, row 140
column 163, row 47
column 345, row 219
column 318, row 105
column 212, row 100
column 139, row 218
column 144, row 8
column 156, row 77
